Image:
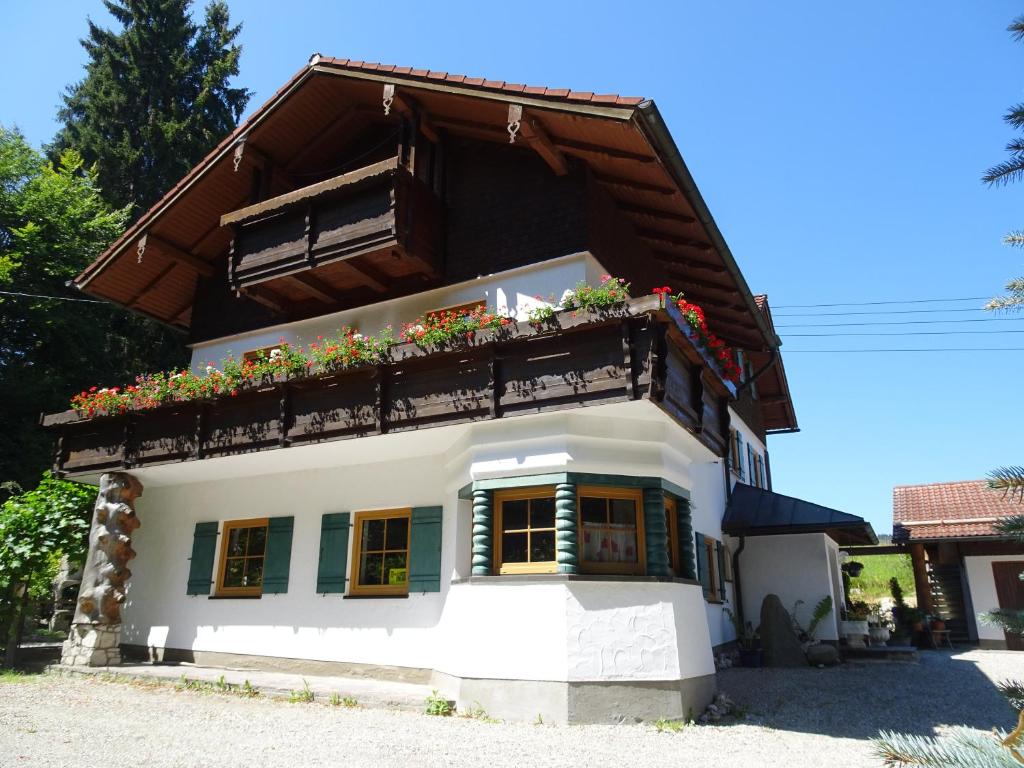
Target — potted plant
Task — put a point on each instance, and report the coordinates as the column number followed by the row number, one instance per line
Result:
column 879, row 629
column 855, row 624
column 751, row 653
column 913, row 618
column 937, row 623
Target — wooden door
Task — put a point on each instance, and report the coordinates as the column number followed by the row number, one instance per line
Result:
column 1010, row 592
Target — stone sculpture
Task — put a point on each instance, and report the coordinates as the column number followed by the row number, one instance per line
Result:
column 781, row 645
column 96, row 630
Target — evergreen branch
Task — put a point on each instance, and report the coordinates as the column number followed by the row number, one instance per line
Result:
column 1005, row 172
column 1013, row 690
column 1014, row 238
column 1015, row 116
column 1009, row 480
column 960, row 748
column 1008, row 619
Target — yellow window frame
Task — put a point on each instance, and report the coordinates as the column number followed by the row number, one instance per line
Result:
column 519, row 494
column 222, row 568
column 672, row 529
column 639, row 568
column 355, row 588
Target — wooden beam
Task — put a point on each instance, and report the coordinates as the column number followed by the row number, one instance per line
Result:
column 538, row 138
column 409, row 107
column 640, row 186
column 312, row 285
column 268, row 298
column 705, row 284
column 674, row 259
column 179, row 254
column 655, row 213
column 684, row 242
column 334, row 126
column 598, row 150
column 151, row 284
column 370, row 276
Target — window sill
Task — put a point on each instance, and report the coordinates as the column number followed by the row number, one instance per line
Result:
column 709, row 601
column 375, row 597
column 558, row 578
column 234, row 597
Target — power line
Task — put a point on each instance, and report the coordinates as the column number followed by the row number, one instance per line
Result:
column 902, row 333
column 51, row 298
column 901, row 322
column 878, row 303
column 932, row 349
column 880, row 312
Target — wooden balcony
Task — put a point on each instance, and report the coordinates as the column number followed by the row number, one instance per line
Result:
column 640, row 352
column 369, row 227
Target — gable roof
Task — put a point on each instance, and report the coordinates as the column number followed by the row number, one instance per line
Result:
column 956, row 510
column 759, row 512
column 623, row 141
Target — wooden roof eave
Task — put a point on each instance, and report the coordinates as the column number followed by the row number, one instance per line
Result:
column 218, row 154
column 653, row 125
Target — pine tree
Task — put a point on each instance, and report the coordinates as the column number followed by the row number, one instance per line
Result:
column 156, row 97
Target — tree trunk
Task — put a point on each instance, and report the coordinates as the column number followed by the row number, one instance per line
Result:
column 14, row 628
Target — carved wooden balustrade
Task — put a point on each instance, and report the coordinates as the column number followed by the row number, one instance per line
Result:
column 640, row 351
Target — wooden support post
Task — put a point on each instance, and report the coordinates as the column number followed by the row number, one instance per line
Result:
column 656, row 533
column 483, row 533
column 921, row 584
column 567, row 549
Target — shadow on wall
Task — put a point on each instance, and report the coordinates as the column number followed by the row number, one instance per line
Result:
column 858, row 701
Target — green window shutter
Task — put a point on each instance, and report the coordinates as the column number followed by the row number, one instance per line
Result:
column 425, row 549
column 702, row 563
column 720, row 551
column 330, row 575
column 278, row 560
column 739, row 453
column 200, row 569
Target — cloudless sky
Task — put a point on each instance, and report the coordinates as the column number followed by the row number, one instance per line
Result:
column 838, row 145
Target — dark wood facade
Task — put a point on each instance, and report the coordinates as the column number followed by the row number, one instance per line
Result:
column 640, row 353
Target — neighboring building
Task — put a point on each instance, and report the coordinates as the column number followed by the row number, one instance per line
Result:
column 962, row 566
column 454, row 514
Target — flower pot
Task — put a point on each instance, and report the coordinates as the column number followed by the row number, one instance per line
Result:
column 751, row 657
column 879, row 635
column 938, row 625
column 917, row 626
column 854, row 632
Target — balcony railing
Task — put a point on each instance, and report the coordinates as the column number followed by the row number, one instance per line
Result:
column 638, row 352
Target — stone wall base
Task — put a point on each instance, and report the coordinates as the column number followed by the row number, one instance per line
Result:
column 581, row 701
column 92, row 646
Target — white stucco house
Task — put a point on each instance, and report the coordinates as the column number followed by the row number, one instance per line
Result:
column 546, row 515
column 963, row 566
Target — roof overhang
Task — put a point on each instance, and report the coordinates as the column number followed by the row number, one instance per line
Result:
column 758, row 512
column 154, row 266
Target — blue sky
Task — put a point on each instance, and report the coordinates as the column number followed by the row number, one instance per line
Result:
column 839, row 147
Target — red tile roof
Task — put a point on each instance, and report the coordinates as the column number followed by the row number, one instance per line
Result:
column 563, row 94
column 949, row 510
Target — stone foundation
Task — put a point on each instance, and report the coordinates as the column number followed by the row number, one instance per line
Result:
column 92, row 646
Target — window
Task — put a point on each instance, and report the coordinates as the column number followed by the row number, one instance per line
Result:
column 712, row 560
column 751, row 471
column 242, row 552
column 611, row 530
column 380, row 555
column 263, row 352
column 672, row 527
column 460, row 309
column 525, row 530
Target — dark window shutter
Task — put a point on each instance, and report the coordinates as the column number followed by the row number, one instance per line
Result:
column 278, row 560
column 750, row 464
column 200, row 569
column 425, row 550
column 702, row 564
column 720, row 550
column 330, row 575
column 739, row 454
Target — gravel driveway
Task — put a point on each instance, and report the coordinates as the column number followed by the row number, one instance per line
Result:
column 812, row 717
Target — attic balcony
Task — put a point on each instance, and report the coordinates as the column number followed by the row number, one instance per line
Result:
column 371, row 227
column 638, row 352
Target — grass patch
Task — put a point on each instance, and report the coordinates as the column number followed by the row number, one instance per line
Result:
column 337, row 700
column 477, row 712
column 302, row 696
column 663, row 725
column 873, row 582
column 18, row 676
column 438, row 705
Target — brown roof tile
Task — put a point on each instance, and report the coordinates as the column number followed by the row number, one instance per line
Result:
column 949, row 510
